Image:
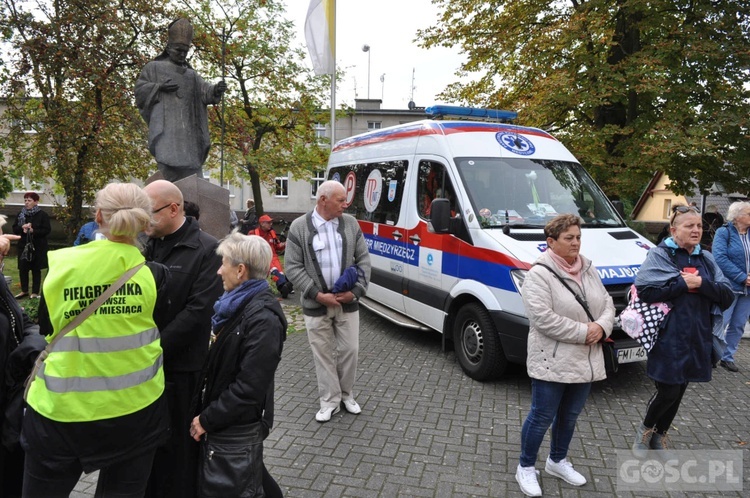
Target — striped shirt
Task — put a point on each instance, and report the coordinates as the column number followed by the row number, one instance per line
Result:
column 745, row 239
column 328, row 247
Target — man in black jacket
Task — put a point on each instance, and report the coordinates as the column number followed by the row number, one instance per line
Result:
column 190, row 254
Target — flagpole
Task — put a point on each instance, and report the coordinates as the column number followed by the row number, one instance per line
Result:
column 223, row 122
column 333, row 80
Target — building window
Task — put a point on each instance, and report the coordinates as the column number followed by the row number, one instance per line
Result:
column 24, row 126
column 320, row 131
column 317, row 178
column 667, row 208
column 282, row 186
column 19, row 184
column 374, row 125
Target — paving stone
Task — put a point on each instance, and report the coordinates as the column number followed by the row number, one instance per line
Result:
column 428, row 430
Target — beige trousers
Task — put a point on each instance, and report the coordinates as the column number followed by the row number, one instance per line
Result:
column 334, row 340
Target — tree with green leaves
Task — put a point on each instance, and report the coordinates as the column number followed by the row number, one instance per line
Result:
column 272, row 101
column 631, row 86
column 69, row 86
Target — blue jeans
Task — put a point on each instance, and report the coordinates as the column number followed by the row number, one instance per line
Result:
column 735, row 317
column 556, row 404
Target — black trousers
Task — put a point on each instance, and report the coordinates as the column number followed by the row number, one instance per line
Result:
column 175, row 464
column 44, row 478
column 11, row 471
column 663, row 406
column 36, row 279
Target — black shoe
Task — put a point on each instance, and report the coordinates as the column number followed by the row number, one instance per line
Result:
column 729, row 365
column 286, row 289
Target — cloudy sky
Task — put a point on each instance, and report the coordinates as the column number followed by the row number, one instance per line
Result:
column 389, row 28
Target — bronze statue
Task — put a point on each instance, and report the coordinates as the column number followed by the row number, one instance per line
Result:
column 172, row 99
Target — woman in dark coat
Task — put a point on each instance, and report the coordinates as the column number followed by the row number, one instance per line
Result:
column 680, row 272
column 20, row 343
column 235, row 409
column 32, row 224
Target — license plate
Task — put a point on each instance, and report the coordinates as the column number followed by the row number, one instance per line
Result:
column 631, row 355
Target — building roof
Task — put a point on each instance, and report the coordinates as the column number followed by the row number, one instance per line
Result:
column 716, row 197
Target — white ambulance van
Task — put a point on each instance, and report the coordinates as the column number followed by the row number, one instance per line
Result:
column 453, row 213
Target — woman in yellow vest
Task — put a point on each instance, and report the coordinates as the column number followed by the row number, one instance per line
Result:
column 97, row 402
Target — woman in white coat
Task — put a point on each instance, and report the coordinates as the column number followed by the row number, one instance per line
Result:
column 564, row 354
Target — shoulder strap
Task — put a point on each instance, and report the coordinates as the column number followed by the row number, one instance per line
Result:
column 95, row 305
column 578, row 298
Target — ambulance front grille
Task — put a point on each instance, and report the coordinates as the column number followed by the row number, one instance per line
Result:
column 619, row 293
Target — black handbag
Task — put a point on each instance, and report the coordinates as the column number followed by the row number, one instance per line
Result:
column 611, row 365
column 28, row 250
column 231, row 463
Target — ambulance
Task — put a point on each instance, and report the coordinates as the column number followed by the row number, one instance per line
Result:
column 453, row 210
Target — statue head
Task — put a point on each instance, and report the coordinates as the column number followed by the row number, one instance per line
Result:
column 180, row 36
column 180, row 31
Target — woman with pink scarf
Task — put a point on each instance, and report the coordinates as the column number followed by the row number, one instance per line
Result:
column 564, row 354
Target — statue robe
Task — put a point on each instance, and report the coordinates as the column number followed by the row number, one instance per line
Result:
column 177, row 121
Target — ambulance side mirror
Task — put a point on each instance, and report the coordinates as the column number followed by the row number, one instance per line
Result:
column 440, row 215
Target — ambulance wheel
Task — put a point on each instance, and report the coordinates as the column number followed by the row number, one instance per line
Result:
column 477, row 344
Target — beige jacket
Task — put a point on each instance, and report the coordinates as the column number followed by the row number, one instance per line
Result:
column 557, row 324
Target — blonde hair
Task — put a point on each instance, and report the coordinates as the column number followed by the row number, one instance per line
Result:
column 250, row 250
column 125, row 210
column 681, row 209
column 3, row 221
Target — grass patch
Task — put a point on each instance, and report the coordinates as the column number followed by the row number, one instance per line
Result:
column 30, row 306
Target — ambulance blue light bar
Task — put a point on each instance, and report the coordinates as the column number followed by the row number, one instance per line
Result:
column 454, row 111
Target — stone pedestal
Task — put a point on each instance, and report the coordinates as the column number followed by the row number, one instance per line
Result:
column 212, row 200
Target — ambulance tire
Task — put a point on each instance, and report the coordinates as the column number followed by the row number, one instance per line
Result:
column 477, row 344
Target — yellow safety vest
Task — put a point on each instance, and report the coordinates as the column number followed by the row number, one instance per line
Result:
column 111, row 364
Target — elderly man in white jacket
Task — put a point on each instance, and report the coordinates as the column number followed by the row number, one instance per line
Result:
column 564, row 354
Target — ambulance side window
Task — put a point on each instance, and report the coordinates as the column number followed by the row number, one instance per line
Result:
column 378, row 191
column 433, row 183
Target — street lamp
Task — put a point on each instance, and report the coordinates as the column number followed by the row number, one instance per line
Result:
column 366, row 48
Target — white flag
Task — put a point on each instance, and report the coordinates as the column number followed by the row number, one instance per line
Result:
column 320, row 33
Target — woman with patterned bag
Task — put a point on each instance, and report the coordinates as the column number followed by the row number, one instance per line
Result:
column 680, row 272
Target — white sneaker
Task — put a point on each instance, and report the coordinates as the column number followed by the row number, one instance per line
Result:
column 565, row 471
column 325, row 414
column 527, row 478
column 352, row 406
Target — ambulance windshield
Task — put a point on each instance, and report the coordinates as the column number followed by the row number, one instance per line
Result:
column 527, row 193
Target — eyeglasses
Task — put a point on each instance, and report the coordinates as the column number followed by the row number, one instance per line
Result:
column 163, row 207
column 682, row 209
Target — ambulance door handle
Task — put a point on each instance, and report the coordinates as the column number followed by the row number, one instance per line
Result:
column 415, row 238
column 397, row 235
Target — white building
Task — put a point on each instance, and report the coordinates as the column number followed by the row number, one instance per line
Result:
column 291, row 196
column 294, row 196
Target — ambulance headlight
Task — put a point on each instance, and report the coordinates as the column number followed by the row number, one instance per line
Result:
column 518, row 277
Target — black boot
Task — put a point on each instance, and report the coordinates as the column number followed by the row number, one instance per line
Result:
column 660, row 441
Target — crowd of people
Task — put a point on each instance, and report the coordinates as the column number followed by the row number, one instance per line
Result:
column 160, row 343
column 159, row 346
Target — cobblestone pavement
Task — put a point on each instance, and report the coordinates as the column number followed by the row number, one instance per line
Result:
column 427, row 430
